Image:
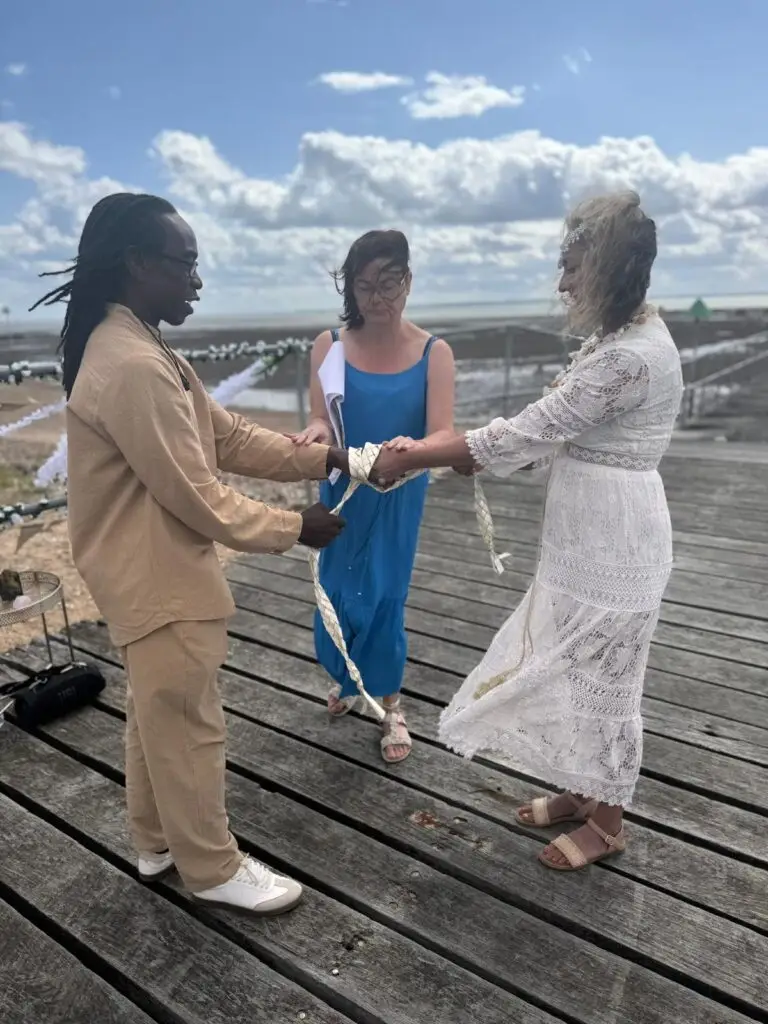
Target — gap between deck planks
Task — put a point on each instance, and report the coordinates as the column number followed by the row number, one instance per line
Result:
column 333, row 779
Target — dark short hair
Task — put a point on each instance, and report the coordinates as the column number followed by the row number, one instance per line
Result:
column 391, row 246
column 116, row 224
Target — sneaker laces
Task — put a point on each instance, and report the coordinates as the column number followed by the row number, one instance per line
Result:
column 256, row 873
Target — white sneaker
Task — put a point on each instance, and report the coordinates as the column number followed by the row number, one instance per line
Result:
column 154, row 866
column 254, row 888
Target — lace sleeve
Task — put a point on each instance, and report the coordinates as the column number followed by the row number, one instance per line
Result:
column 601, row 388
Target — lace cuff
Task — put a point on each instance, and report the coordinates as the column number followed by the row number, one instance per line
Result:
column 502, row 449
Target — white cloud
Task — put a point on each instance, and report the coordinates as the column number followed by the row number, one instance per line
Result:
column 576, row 63
column 39, row 161
column 114, row 92
column 16, row 70
column 460, row 96
column 361, row 81
column 483, row 215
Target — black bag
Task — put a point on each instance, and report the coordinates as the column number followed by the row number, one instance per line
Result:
column 52, row 692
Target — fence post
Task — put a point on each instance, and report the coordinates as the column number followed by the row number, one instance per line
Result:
column 507, row 375
column 301, row 405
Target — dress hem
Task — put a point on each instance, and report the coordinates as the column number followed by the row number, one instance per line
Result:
column 616, row 795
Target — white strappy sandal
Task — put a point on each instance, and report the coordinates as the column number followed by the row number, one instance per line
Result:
column 338, row 706
column 394, row 734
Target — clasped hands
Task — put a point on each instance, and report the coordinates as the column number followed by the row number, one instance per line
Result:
column 398, row 457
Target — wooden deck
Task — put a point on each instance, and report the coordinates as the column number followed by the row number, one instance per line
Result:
column 424, row 901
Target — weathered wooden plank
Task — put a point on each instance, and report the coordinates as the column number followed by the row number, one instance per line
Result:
column 719, row 701
column 736, row 739
column 693, row 665
column 443, row 572
column 43, row 983
column 255, row 590
column 689, row 508
column 668, row 932
column 747, row 741
column 382, row 976
column 697, row 517
column 660, row 859
column 675, row 935
column 170, row 963
column 423, row 648
column 525, row 503
column 741, row 596
column 447, row 617
column 744, row 490
column 524, row 555
column 467, row 587
column 425, row 903
column 524, row 527
column 445, row 655
column 260, row 629
column 517, row 519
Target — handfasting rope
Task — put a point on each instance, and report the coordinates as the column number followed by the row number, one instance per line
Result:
column 361, row 462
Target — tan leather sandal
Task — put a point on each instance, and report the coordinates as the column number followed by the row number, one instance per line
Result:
column 540, row 817
column 394, row 734
column 575, row 856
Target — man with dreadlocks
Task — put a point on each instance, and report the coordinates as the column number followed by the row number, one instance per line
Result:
column 144, row 443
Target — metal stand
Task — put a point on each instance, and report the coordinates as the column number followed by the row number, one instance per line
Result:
column 46, row 592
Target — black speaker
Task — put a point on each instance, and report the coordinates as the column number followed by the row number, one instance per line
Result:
column 53, row 692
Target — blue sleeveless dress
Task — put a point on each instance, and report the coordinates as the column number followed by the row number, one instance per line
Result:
column 367, row 571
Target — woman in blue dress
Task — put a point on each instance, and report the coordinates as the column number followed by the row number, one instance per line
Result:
column 398, row 387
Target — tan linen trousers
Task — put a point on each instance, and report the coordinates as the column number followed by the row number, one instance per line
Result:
column 175, row 750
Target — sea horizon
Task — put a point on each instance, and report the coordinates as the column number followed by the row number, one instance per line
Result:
column 450, row 312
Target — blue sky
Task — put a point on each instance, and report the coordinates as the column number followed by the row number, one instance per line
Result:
column 111, row 81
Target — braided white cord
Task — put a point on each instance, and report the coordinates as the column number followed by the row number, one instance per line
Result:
column 361, row 462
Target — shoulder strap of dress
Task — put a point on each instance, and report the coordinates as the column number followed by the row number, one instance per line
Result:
column 428, row 347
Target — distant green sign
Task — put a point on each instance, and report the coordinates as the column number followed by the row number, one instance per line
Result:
column 699, row 310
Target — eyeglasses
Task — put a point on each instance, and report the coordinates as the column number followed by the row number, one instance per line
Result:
column 388, row 290
column 191, row 265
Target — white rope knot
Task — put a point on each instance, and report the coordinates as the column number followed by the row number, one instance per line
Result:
column 361, row 462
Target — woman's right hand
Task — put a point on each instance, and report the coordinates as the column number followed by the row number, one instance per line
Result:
column 316, row 432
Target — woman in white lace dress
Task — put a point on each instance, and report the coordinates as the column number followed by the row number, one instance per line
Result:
column 558, row 693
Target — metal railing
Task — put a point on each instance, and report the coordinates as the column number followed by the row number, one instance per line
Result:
column 701, row 398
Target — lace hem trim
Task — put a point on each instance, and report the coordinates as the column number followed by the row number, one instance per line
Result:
column 531, row 761
column 617, row 460
column 632, row 588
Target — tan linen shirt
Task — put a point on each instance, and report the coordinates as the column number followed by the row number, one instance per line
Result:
column 145, row 505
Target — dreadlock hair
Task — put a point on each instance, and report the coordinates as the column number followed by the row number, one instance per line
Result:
column 116, row 224
column 391, row 246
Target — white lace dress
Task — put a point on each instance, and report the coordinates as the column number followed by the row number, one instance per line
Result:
column 558, row 693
